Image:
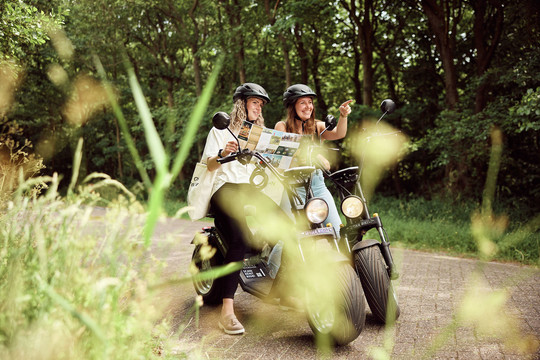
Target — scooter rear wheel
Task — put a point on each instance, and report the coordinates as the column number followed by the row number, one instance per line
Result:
column 376, row 283
column 341, row 320
column 208, row 288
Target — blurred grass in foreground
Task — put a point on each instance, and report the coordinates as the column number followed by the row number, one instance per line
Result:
column 484, row 310
column 73, row 286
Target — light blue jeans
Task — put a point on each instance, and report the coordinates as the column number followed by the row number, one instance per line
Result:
column 319, row 190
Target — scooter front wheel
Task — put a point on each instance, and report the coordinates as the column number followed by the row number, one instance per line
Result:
column 378, row 288
column 207, row 288
column 341, row 319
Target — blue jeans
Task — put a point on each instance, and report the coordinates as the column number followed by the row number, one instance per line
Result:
column 319, row 190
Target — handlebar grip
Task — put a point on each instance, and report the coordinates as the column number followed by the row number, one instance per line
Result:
column 228, row 158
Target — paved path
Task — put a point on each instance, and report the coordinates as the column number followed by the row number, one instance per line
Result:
column 431, row 288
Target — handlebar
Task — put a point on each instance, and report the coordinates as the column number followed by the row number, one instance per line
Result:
column 227, row 158
column 243, row 157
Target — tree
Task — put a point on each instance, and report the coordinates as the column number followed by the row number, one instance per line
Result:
column 272, row 17
column 444, row 17
column 364, row 21
column 488, row 23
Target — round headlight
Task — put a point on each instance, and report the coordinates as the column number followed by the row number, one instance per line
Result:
column 352, row 207
column 316, row 210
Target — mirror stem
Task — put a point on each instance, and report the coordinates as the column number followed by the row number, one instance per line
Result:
column 236, row 138
column 381, row 118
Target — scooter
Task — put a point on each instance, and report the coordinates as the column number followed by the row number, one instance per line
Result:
column 334, row 304
column 372, row 258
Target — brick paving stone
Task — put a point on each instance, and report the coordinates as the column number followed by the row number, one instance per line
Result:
column 430, row 288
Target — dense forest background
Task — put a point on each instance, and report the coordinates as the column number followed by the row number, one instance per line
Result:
column 456, row 69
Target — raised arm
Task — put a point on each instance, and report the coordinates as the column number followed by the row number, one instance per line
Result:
column 340, row 130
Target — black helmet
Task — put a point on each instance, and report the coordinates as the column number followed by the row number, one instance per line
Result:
column 250, row 89
column 296, row 91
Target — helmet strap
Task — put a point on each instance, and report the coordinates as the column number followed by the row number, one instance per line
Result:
column 303, row 123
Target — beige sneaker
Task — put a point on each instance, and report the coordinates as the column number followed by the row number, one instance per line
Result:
column 231, row 325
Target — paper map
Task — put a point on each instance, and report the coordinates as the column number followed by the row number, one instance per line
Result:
column 277, row 146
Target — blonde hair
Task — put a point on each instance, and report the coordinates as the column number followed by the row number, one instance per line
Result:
column 239, row 114
column 291, row 124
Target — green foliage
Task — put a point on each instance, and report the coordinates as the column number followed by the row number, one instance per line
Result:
column 174, row 46
column 23, row 26
column 526, row 114
column 443, row 225
column 17, row 163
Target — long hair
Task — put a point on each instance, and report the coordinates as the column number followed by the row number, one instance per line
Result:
column 239, row 114
column 292, row 126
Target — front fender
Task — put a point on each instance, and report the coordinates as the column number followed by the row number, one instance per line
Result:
column 365, row 244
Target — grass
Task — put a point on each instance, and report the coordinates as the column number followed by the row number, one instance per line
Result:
column 71, row 288
column 438, row 225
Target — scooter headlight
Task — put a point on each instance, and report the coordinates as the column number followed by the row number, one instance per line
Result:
column 316, row 210
column 352, row 207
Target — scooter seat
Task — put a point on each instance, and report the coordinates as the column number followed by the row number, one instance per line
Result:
column 299, row 173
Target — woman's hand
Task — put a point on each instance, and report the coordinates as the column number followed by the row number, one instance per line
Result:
column 345, row 109
column 230, row 147
column 213, row 164
column 341, row 129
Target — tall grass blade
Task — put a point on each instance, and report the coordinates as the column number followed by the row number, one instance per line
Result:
column 157, row 150
column 164, row 178
column 85, row 320
column 493, row 170
column 123, row 125
column 76, row 166
column 195, row 120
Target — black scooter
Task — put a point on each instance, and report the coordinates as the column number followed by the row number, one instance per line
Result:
column 372, row 258
column 334, row 303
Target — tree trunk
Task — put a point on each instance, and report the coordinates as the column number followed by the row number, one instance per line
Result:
column 302, row 53
column 363, row 21
column 195, row 50
column 356, row 76
column 235, row 21
column 284, row 46
column 286, row 60
column 487, row 33
column 443, row 22
column 390, row 80
column 367, row 66
column 315, row 72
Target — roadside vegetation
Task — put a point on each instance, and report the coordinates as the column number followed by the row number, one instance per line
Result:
column 438, row 225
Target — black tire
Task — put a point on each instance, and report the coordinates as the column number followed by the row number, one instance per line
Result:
column 376, row 283
column 208, row 289
column 341, row 322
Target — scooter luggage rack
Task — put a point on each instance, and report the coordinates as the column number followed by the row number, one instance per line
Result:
column 346, row 178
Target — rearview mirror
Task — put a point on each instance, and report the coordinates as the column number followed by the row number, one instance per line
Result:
column 330, row 122
column 221, row 120
column 388, row 106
